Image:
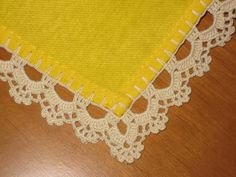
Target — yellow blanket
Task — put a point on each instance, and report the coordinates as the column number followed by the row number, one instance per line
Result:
column 112, row 49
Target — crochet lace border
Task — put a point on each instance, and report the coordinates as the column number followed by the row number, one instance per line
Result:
column 128, row 146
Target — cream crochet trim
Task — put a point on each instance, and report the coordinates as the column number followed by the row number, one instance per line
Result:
column 125, row 147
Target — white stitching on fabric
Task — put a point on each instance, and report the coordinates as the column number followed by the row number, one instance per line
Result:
column 105, row 129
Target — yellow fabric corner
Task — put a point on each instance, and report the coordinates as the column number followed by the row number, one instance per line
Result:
column 105, row 47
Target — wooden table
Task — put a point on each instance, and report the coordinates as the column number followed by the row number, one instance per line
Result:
column 200, row 139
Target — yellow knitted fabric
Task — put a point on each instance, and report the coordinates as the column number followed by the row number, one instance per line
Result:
column 107, row 47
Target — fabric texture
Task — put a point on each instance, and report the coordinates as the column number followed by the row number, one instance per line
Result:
column 127, row 145
column 109, row 50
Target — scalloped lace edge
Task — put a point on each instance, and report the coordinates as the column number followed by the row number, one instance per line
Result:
column 126, row 147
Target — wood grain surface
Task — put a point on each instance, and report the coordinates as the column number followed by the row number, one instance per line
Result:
column 200, row 139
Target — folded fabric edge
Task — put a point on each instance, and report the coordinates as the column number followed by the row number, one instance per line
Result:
column 69, row 78
column 118, row 103
column 170, row 45
column 127, row 147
